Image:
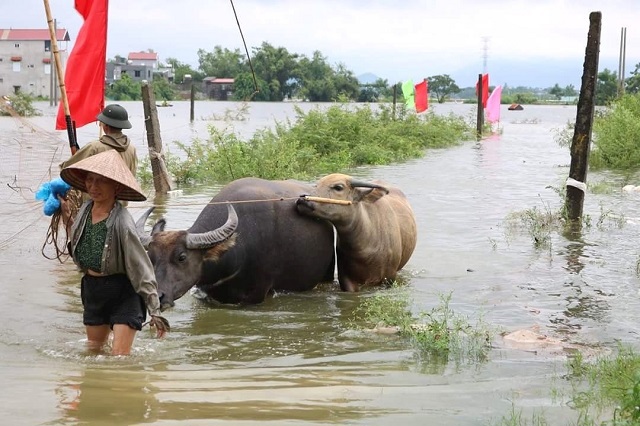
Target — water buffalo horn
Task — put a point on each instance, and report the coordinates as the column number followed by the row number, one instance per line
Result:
column 209, row 239
column 361, row 184
column 145, row 238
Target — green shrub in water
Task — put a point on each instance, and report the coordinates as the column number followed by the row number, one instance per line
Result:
column 616, row 135
column 20, row 104
column 319, row 142
column 438, row 335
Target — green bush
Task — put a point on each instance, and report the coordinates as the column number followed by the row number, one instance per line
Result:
column 617, row 135
column 320, row 142
column 20, row 104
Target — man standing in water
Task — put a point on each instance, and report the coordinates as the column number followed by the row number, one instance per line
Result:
column 113, row 119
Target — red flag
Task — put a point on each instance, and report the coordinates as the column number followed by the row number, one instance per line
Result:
column 422, row 96
column 485, row 89
column 85, row 72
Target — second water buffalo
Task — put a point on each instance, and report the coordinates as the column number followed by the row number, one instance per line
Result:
column 376, row 228
column 240, row 254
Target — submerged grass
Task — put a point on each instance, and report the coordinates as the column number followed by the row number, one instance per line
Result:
column 438, row 336
column 541, row 224
column 317, row 142
column 604, row 392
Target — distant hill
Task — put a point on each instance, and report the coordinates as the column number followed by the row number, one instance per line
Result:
column 367, row 78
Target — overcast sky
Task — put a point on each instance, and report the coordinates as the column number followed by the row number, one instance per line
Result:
column 393, row 39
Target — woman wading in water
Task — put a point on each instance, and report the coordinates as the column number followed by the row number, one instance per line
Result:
column 118, row 285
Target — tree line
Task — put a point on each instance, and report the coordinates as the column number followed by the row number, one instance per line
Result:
column 278, row 74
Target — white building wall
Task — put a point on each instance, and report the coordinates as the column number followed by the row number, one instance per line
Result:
column 31, row 74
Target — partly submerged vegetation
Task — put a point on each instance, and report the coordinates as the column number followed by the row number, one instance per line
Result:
column 317, row 142
column 616, row 135
column 20, row 104
column 603, row 392
column 438, row 336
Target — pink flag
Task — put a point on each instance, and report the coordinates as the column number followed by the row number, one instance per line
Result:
column 493, row 105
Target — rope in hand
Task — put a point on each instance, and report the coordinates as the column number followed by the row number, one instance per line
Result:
column 75, row 198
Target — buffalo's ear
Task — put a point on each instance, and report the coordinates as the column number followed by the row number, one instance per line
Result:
column 370, row 195
column 158, row 226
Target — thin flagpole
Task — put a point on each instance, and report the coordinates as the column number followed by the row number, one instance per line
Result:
column 73, row 143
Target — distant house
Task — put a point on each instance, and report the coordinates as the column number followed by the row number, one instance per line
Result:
column 138, row 66
column 148, row 59
column 26, row 60
column 220, row 89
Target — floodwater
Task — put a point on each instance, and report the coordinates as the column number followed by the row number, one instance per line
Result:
column 294, row 360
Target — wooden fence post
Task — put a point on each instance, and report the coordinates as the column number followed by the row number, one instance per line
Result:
column 161, row 179
column 192, row 99
column 581, row 143
column 480, row 116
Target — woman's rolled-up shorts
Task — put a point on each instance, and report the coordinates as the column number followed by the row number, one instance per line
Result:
column 111, row 300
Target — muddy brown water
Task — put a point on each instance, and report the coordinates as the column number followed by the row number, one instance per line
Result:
column 294, row 359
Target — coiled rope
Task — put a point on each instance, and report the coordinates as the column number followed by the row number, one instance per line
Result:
column 61, row 253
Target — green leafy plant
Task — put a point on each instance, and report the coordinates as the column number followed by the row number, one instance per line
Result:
column 21, row 104
column 318, row 142
column 438, row 335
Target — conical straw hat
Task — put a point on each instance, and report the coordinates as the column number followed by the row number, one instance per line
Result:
column 108, row 164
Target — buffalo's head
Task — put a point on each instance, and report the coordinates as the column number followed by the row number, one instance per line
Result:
column 178, row 257
column 346, row 191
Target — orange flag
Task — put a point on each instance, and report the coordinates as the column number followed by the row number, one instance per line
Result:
column 85, row 72
column 422, row 96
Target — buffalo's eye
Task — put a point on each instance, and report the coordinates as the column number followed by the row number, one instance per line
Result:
column 182, row 257
column 338, row 187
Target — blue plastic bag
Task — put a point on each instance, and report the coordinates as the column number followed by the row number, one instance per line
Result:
column 49, row 191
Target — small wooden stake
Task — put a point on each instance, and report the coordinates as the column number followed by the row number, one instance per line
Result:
column 327, row 200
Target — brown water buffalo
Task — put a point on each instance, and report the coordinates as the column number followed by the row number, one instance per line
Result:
column 240, row 254
column 376, row 230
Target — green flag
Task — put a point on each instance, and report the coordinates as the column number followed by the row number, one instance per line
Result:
column 407, row 92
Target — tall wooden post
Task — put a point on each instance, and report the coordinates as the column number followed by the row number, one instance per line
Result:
column 193, row 102
column 73, row 142
column 395, row 98
column 480, row 117
column 161, row 179
column 581, row 143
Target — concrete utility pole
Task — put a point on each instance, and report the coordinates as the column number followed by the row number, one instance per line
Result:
column 581, row 143
column 161, row 179
column 485, row 53
column 622, row 60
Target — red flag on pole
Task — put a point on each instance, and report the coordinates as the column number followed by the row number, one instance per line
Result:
column 422, row 96
column 485, row 89
column 85, row 71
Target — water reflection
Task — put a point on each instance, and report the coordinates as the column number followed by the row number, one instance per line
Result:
column 316, row 326
column 108, row 396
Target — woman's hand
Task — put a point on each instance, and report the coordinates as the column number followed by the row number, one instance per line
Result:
column 65, row 212
column 161, row 324
column 65, row 209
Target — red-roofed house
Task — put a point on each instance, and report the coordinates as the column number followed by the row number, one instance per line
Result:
column 148, row 59
column 26, row 60
column 138, row 66
column 220, row 89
